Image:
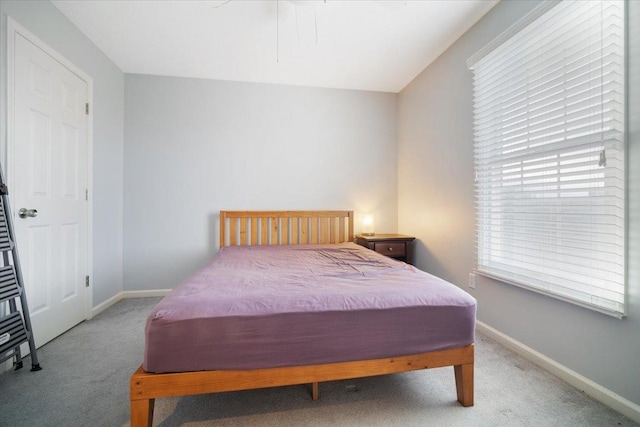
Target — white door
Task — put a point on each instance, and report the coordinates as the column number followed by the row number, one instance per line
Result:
column 50, row 175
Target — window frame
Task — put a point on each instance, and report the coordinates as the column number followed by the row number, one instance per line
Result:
column 481, row 255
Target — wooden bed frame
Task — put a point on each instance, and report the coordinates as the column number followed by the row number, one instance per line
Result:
column 289, row 227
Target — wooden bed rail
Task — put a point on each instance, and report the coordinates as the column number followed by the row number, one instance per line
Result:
column 146, row 387
column 285, row 227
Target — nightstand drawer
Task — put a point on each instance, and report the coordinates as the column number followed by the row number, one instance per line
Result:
column 391, row 249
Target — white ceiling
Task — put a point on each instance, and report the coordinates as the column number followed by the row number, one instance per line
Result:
column 378, row 45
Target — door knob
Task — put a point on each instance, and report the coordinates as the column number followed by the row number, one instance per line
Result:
column 24, row 213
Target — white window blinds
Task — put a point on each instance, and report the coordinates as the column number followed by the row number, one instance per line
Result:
column 549, row 154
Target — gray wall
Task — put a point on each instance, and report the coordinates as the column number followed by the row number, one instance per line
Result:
column 52, row 27
column 436, row 203
column 195, row 147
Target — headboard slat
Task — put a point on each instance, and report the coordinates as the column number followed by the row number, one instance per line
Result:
column 304, row 231
column 324, row 230
column 274, row 231
column 294, row 231
column 243, row 231
column 264, row 230
column 232, row 231
column 313, row 237
column 284, row 231
column 254, row 231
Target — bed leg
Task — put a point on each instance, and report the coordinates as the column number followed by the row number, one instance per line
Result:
column 142, row 412
column 313, row 388
column 464, row 383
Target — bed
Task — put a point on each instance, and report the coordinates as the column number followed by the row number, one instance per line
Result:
column 296, row 302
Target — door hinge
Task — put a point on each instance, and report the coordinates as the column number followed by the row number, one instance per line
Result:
column 86, row 281
column 86, row 108
column 86, row 194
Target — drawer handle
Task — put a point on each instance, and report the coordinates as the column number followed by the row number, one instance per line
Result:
column 390, row 249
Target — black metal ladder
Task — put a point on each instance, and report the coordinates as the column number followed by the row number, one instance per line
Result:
column 15, row 327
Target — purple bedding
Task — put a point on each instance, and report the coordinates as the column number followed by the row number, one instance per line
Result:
column 267, row 306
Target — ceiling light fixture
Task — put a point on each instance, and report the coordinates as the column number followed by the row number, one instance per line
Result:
column 222, row 3
column 296, row 3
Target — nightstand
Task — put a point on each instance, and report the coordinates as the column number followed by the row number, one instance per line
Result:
column 396, row 246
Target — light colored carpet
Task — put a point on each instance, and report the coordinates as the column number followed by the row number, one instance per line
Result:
column 85, row 382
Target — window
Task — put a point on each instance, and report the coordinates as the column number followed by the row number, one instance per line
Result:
column 549, row 122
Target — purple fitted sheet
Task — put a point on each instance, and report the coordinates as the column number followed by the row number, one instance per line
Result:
column 267, row 306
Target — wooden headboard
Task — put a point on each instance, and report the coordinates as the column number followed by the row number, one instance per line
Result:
column 285, row 227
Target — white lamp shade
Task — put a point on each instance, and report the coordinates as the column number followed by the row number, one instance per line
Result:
column 367, row 225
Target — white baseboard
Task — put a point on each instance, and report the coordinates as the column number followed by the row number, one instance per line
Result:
column 106, row 304
column 593, row 389
column 127, row 294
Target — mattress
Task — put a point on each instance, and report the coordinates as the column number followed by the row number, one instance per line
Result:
column 268, row 306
